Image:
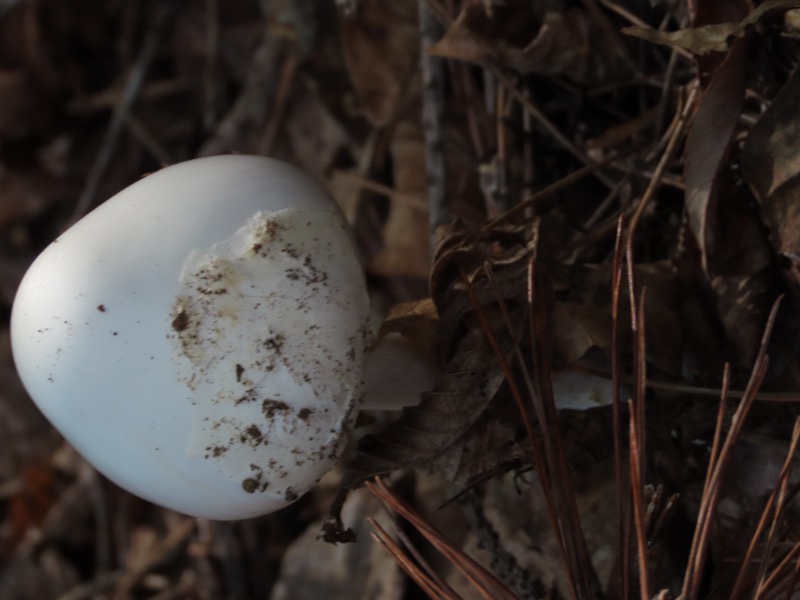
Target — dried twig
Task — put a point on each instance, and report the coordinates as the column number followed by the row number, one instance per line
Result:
column 482, row 580
column 666, row 157
column 253, row 104
column 616, row 410
column 425, row 582
column 282, row 95
column 636, row 410
column 432, row 68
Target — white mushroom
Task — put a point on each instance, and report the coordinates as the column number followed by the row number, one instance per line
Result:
column 200, row 337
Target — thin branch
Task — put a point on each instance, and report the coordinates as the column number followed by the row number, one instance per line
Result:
column 432, row 68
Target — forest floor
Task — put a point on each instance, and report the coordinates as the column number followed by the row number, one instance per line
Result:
column 587, row 210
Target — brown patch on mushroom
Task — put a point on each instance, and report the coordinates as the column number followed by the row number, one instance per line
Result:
column 249, row 396
column 216, row 451
column 250, row 485
column 275, row 342
column 305, row 413
column 252, row 436
column 268, row 231
column 270, row 408
column 239, row 371
column 181, row 321
column 101, row 307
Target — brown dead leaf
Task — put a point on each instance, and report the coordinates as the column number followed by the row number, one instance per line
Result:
column 381, row 50
column 455, row 307
column 583, row 321
column 458, row 430
column 742, row 274
column 406, row 245
column 449, row 432
column 771, row 155
column 418, row 321
column 733, row 253
column 702, row 40
column 531, row 39
column 714, row 37
column 792, row 19
column 708, row 145
column 577, row 329
column 771, row 163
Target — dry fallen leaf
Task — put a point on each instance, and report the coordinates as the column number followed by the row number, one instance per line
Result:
column 418, row 321
column 713, row 37
column 531, row 39
column 771, row 163
column 708, row 145
column 449, row 432
column 700, row 40
column 458, row 430
column 728, row 236
column 579, row 328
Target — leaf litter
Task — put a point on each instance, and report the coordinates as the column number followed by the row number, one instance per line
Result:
column 614, row 219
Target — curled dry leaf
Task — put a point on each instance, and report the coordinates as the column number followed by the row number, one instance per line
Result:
column 468, row 425
column 458, row 430
column 732, row 248
column 583, row 321
column 450, row 432
column 530, row 39
column 743, row 277
column 701, row 40
column 771, row 163
column 709, row 143
column 418, row 321
column 580, row 328
column 714, row 37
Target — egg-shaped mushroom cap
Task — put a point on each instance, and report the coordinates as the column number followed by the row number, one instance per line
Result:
column 200, row 336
